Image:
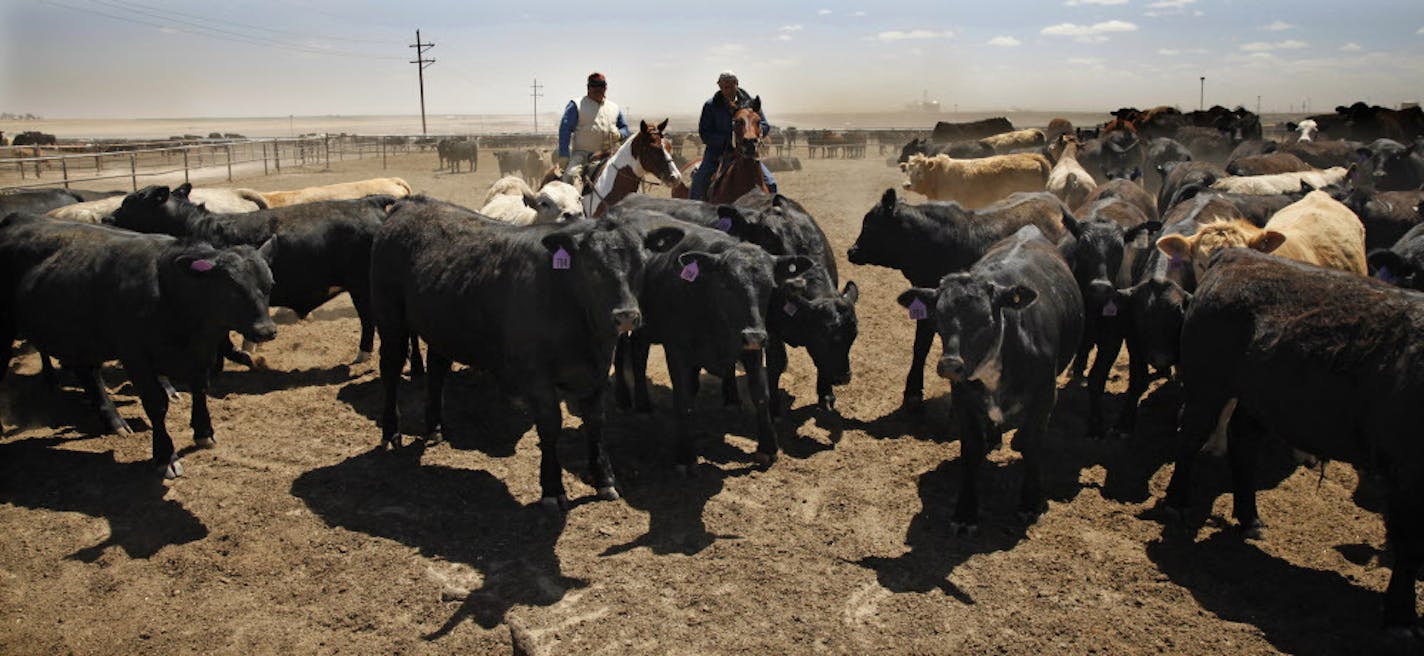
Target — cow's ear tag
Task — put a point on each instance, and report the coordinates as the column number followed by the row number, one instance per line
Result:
column 201, row 266
column 724, row 224
column 1110, row 310
column 1385, row 275
column 562, row 260
column 789, row 309
column 918, row 311
column 689, row 272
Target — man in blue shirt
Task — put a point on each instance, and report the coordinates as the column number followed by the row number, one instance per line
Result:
column 590, row 125
column 715, row 128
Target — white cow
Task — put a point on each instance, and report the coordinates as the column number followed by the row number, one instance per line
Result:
column 510, row 200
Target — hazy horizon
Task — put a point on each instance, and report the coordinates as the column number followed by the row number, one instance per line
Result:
column 159, row 59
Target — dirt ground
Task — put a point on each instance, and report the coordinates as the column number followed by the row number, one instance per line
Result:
column 294, row 536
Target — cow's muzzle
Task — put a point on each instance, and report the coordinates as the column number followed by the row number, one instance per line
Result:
column 627, row 320
column 951, row 368
column 753, row 339
column 262, row 331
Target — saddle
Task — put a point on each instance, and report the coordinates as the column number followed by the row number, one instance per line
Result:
column 591, row 171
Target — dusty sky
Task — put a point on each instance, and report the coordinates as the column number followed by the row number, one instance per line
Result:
column 160, row 58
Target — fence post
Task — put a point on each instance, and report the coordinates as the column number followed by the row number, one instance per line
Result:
column 64, row 170
column 383, row 154
column 326, row 143
column 264, row 158
column 228, row 150
column 37, row 162
column 133, row 170
column 185, row 165
column 277, row 155
column 98, row 164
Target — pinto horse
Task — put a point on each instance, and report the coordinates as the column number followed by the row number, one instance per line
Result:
column 646, row 152
column 740, row 168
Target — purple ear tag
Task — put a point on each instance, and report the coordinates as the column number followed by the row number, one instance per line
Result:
column 201, row 266
column 789, row 308
column 724, row 224
column 562, row 259
column 1385, row 275
column 918, row 311
column 689, row 272
column 1175, row 263
column 1110, row 310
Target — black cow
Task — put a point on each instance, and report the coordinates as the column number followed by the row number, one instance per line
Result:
column 1151, row 311
column 1008, row 327
column 955, row 149
column 1104, row 251
column 1403, row 263
column 316, row 250
column 36, row 201
column 924, row 242
column 1207, row 144
column 539, row 306
column 1160, row 151
column 1182, row 174
column 1388, row 165
column 1387, row 215
column 1328, row 362
column 1125, row 190
column 945, row 131
column 453, row 151
column 706, row 301
column 88, row 294
column 1324, row 154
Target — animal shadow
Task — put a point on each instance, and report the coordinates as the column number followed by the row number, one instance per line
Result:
column 35, row 473
column 459, row 515
column 478, row 414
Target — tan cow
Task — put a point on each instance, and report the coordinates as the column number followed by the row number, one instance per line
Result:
column 223, row 201
column 1316, row 229
column 976, row 183
column 1007, row 141
column 340, row 191
column 1068, row 180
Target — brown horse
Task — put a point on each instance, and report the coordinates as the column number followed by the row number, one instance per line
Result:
column 740, row 168
column 646, row 152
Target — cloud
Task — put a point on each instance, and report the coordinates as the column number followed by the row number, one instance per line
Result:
column 1351, row 47
column 1170, row 4
column 1005, row 41
column 724, row 52
column 1420, row 31
column 1075, row 3
column 914, row 35
column 1172, row 52
column 1085, row 61
column 783, row 37
column 1278, row 26
column 1262, row 46
column 857, row 13
column 1096, row 29
column 789, row 28
column 823, row 12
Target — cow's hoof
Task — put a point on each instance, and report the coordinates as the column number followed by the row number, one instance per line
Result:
column 964, row 529
column 827, row 404
column 1255, row 530
column 764, row 459
column 205, row 441
column 120, row 427
column 391, row 442
column 913, row 404
column 435, row 438
column 608, row 493
column 172, row 469
column 362, row 356
column 259, row 363
column 555, row 504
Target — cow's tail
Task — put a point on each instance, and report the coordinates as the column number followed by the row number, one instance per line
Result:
column 404, row 185
column 253, row 195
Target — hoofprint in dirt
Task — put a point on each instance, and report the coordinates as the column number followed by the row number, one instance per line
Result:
column 295, row 535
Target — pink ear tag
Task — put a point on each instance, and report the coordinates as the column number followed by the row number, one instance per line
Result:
column 724, row 224
column 562, row 259
column 918, row 311
column 689, row 272
column 201, row 266
column 789, row 309
column 1110, row 310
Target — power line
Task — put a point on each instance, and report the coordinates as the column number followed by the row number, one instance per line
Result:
column 536, row 87
column 230, row 23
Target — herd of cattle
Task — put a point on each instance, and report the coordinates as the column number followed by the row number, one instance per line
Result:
column 1244, row 264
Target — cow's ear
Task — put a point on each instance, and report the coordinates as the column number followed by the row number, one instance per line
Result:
column 662, row 239
column 530, row 200
column 1072, row 225
column 790, row 267
column 1266, row 241
column 1388, row 266
column 1017, row 297
column 195, row 265
column 559, row 241
column 183, row 190
column 642, row 125
column 924, row 295
column 662, row 126
column 693, row 262
column 731, row 221
column 851, row 293
column 1176, row 247
column 268, row 250
column 1145, row 228
column 887, row 199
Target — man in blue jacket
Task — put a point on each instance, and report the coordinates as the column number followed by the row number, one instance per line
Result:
column 591, row 124
column 715, row 128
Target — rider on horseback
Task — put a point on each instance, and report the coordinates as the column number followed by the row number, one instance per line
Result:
column 715, row 128
column 594, row 124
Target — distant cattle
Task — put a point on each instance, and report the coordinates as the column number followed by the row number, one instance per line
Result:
column 340, row 191
column 945, row 132
column 1018, row 139
column 540, row 307
column 976, row 183
column 782, row 163
column 454, row 151
column 1328, row 362
column 1008, row 326
column 924, row 242
column 955, row 149
column 87, row 294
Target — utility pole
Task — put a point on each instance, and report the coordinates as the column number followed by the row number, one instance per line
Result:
column 1201, row 101
column 420, row 49
column 536, row 87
